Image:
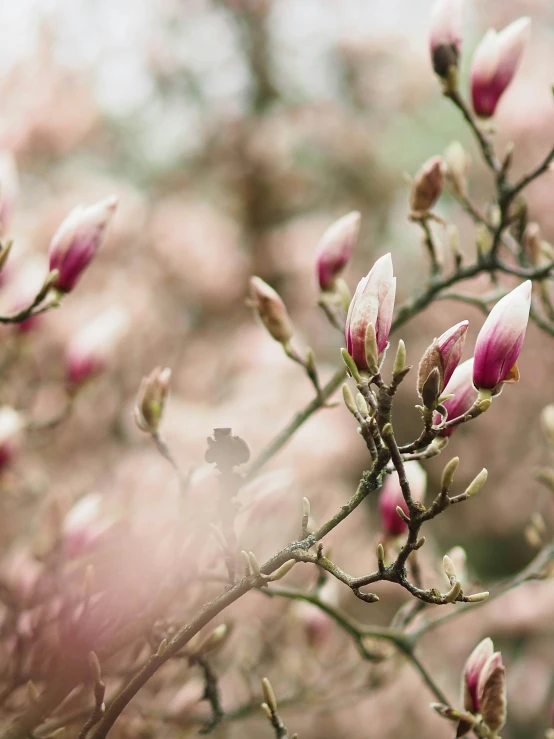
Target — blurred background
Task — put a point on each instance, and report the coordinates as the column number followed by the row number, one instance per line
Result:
column 234, row 133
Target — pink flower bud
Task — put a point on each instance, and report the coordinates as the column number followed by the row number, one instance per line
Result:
column 77, row 240
column 335, row 249
column 501, row 338
column 472, row 672
column 445, row 36
column 271, row 309
column 90, row 350
column 373, row 302
column 9, row 190
column 427, row 185
column 461, row 387
column 495, row 63
column 391, row 497
column 11, row 425
column 444, row 354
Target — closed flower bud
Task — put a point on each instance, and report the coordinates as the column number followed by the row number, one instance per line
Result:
column 458, row 557
column 335, row 249
column 472, row 672
column 492, row 692
column 501, row 338
column 271, row 309
column 457, row 167
column 373, row 302
column 464, row 394
column 151, row 399
column 443, row 354
column 9, row 190
column 427, row 186
column 495, row 63
column 445, row 37
column 391, row 497
column 11, row 425
column 77, row 240
column 90, row 350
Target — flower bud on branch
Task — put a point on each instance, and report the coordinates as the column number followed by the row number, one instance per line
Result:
column 373, row 303
column 495, row 63
column 151, row 399
column 443, row 355
column 500, row 340
column 427, row 186
column 335, row 249
column 77, row 240
column 445, row 40
column 272, row 311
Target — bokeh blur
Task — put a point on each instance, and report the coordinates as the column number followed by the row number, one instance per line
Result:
column 233, row 133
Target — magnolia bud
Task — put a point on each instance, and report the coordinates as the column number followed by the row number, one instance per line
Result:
column 449, row 569
column 472, row 671
column 457, row 167
column 475, row 486
column 492, row 692
column 77, row 240
column 427, row 186
column 444, row 355
column 213, row 641
column 271, row 309
column 501, row 338
column 151, row 399
column 269, row 695
column 445, row 37
column 348, row 398
column 449, row 472
column 495, row 63
column 373, row 302
column 335, row 249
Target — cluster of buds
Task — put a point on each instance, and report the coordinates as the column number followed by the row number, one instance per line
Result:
column 495, row 62
column 151, row 398
column 497, row 349
column 77, row 240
